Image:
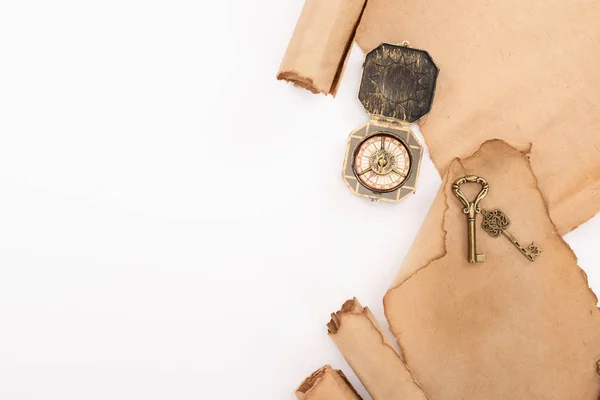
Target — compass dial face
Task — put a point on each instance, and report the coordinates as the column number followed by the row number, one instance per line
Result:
column 381, row 162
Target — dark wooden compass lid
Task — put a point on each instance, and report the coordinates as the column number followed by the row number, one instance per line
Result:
column 398, row 82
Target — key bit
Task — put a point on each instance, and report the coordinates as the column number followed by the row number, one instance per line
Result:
column 496, row 223
column 471, row 209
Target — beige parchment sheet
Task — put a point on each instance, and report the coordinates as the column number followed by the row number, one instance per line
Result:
column 525, row 71
column 507, row 328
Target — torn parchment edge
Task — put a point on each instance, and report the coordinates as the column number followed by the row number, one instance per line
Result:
column 316, row 72
column 442, row 252
column 327, row 383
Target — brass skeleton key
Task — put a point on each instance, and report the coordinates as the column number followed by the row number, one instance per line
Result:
column 471, row 209
column 495, row 222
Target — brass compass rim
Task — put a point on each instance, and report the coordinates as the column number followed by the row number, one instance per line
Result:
column 415, row 150
column 395, row 137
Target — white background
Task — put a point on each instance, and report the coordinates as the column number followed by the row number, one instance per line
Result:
column 173, row 224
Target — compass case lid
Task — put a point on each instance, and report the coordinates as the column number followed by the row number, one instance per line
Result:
column 398, row 82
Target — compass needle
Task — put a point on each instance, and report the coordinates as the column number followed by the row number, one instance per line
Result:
column 396, row 170
column 365, row 171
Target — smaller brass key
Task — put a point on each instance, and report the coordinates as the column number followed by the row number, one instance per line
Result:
column 471, row 209
column 495, row 222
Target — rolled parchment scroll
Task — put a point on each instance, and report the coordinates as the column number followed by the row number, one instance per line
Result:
column 326, row 384
column 317, row 53
column 373, row 358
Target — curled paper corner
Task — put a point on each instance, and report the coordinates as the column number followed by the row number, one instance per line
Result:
column 326, row 384
column 513, row 312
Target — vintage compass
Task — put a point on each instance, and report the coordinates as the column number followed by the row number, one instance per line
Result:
column 383, row 156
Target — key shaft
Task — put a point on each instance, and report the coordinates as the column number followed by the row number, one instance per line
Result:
column 516, row 243
column 472, row 236
column 471, row 209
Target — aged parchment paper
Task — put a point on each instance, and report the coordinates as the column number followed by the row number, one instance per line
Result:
column 524, row 71
column 507, row 328
column 504, row 329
